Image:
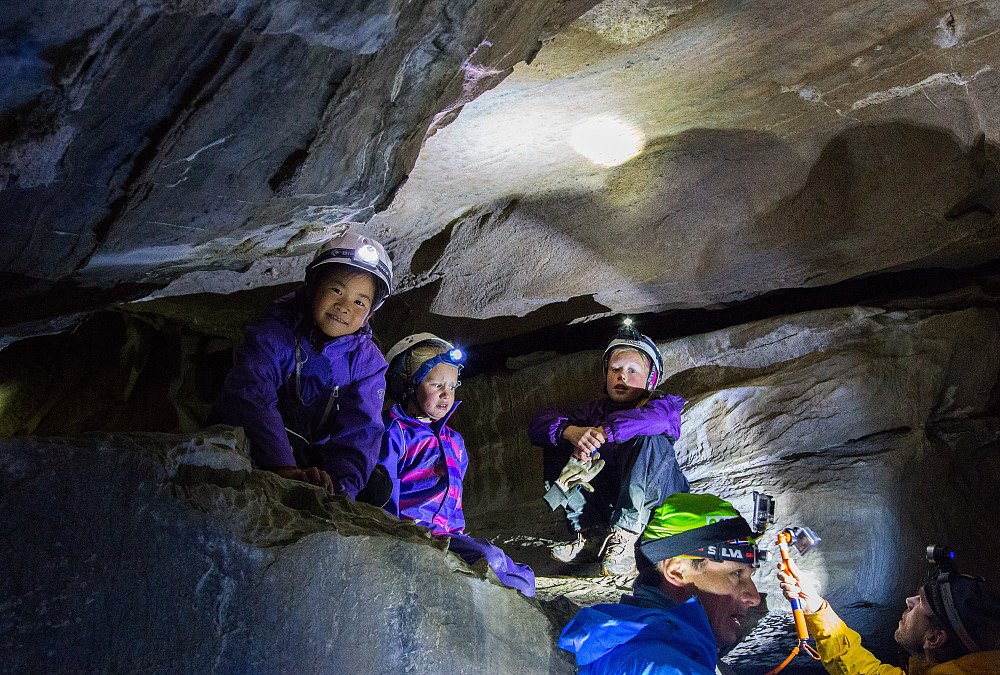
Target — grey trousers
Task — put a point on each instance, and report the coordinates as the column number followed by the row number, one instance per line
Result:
column 639, row 474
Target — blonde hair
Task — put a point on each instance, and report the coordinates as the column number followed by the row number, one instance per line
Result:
column 422, row 353
column 643, row 357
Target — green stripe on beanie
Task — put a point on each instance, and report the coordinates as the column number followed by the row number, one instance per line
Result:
column 682, row 511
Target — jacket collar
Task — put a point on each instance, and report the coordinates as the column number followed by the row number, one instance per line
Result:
column 398, row 412
column 977, row 663
column 649, row 597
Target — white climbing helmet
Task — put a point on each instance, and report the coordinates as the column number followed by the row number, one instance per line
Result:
column 360, row 251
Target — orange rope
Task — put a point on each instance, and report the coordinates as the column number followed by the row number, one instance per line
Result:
column 785, row 662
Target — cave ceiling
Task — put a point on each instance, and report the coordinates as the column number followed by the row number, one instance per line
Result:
column 536, row 160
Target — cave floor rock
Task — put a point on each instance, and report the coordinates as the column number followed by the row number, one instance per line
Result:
column 165, row 553
column 580, row 581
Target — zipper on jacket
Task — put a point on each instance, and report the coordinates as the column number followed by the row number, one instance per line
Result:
column 330, row 405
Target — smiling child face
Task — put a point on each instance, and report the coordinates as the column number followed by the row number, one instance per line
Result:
column 343, row 301
column 626, row 376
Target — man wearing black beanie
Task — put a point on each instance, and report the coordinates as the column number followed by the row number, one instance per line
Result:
column 950, row 627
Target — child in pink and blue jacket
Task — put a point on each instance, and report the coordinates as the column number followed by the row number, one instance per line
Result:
column 426, row 459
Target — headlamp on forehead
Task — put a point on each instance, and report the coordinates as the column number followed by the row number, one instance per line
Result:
column 736, row 550
column 722, row 539
column 367, row 254
column 453, row 357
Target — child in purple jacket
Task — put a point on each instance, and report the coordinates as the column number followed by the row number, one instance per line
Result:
column 635, row 429
column 308, row 381
column 426, row 459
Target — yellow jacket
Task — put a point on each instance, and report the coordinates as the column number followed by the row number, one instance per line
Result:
column 843, row 654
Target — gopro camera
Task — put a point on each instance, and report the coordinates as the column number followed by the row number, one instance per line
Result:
column 804, row 539
column 763, row 512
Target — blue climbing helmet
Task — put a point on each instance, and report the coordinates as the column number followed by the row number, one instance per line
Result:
column 404, row 375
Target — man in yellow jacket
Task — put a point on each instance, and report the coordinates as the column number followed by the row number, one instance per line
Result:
column 950, row 627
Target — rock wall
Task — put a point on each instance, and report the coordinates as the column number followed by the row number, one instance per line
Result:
column 166, row 553
column 876, row 428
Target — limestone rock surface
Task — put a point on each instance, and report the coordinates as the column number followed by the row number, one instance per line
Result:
column 778, row 144
column 208, row 146
column 139, row 140
column 167, row 553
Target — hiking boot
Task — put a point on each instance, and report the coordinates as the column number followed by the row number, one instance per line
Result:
column 618, row 556
column 567, row 552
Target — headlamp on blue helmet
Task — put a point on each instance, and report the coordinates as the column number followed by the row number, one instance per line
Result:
column 453, row 357
column 403, row 377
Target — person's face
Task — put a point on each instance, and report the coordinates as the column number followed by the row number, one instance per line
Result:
column 436, row 393
column 916, row 624
column 342, row 302
column 626, row 377
column 727, row 593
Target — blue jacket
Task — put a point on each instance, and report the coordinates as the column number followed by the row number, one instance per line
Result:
column 426, row 463
column 627, row 640
column 341, row 384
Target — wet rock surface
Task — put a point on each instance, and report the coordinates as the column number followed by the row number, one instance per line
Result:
column 168, row 553
column 142, row 140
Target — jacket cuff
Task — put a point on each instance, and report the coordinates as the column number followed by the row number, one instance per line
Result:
column 824, row 622
column 560, row 428
column 272, row 459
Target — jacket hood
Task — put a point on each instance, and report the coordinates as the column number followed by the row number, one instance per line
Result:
column 596, row 631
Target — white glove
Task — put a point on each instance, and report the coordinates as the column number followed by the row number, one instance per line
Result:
column 580, row 472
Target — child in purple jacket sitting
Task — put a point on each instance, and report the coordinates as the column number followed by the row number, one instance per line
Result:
column 308, row 381
column 635, row 429
column 426, row 459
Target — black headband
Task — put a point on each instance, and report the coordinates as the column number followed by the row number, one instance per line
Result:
column 693, row 542
column 941, row 599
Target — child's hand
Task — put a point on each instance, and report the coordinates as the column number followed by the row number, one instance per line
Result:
column 585, row 440
column 799, row 584
column 312, row 475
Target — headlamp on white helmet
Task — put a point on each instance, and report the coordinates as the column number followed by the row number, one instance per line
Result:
column 360, row 252
column 629, row 338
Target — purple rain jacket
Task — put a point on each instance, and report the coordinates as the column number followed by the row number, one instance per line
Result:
column 426, row 463
column 351, row 367
column 661, row 414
